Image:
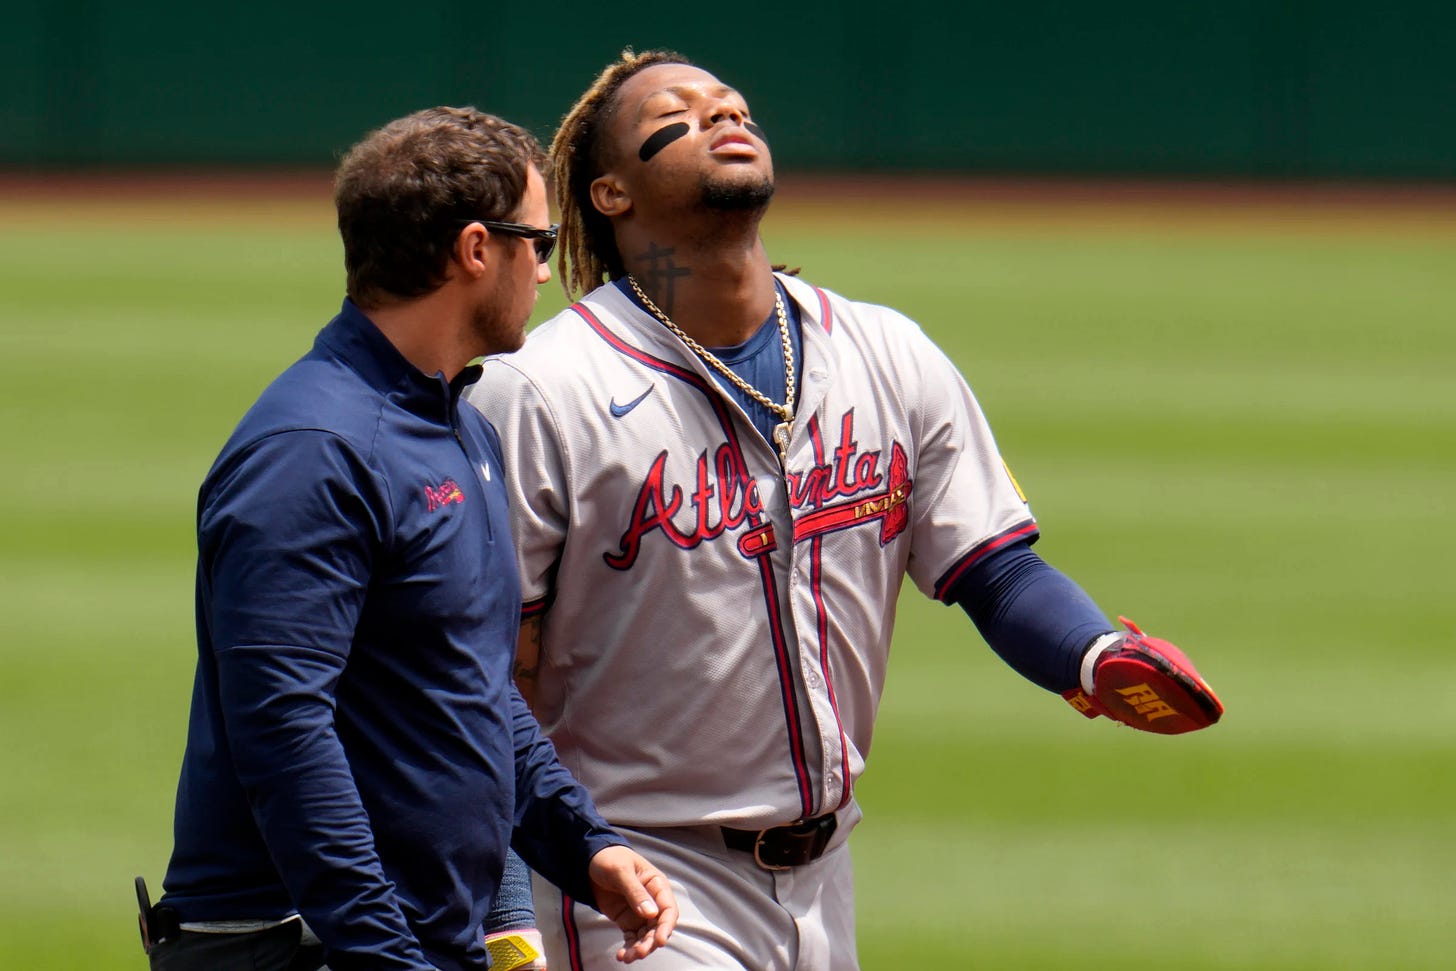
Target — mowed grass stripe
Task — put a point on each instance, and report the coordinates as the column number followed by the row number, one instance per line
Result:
column 1145, row 893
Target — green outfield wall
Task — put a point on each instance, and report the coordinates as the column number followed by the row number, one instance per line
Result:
column 1282, row 88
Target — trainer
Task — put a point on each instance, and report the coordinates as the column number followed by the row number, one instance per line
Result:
column 357, row 757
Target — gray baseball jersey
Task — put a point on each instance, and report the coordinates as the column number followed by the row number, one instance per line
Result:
column 716, row 627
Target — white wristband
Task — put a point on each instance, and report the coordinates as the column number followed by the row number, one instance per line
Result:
column 1089, row 660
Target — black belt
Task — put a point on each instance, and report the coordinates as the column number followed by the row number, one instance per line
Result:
column 782, row 847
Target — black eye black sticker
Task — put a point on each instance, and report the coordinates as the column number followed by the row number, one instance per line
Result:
column 756, row 131
column 662, row 138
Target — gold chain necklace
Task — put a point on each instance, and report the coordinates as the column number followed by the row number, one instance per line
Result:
column 784, row 411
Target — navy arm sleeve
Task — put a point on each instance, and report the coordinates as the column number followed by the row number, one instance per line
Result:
column 558, row 829
column 512, row 909
column 287, row 540
column 1036, row 618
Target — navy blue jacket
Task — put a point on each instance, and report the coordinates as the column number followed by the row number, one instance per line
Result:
column 357, row 751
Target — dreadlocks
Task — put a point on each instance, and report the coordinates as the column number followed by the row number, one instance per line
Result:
column 585, row 234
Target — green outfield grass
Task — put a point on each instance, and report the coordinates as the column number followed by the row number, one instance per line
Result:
column 1242, row 436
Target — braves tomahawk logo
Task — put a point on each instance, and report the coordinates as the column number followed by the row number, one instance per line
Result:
column 442, row 495
column 722, row 500
column 848, row 477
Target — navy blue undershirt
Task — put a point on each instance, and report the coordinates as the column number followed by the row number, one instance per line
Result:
column 760, row 361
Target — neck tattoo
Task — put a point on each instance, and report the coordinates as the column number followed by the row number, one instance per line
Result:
column 785, row 411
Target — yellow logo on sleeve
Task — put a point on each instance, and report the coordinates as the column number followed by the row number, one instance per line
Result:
column 1014, row 484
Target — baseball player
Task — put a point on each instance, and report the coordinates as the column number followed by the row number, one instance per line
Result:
column 720, row 477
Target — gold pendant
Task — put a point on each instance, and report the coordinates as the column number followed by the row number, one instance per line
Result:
column 781, row 439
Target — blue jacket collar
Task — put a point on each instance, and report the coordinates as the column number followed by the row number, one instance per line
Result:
column 354, row 338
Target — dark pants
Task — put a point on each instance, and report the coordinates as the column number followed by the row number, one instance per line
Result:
column 274, row 949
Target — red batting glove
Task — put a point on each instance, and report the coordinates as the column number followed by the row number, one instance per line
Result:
column 1149, row 684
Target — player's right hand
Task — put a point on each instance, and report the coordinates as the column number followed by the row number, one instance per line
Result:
column 636, row 896
column 1149, row 684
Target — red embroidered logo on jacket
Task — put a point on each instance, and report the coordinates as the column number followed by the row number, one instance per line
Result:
column 442, row 495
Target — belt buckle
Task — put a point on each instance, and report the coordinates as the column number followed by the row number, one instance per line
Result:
column 758, row 852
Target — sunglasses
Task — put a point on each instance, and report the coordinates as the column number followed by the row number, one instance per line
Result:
column 544, row 240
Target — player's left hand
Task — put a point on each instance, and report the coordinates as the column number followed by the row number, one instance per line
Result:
column 636, row 896
column 1149, row 684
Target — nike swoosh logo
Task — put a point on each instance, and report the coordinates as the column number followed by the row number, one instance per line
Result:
column 619, row 410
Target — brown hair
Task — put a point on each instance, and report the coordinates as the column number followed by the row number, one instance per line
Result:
column 577, row 158
column 402, row 192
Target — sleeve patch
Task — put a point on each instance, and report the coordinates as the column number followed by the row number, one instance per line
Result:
column 1014, row 484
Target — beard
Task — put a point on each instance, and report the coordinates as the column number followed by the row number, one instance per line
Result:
column 497, row 332
column 721, row 195
column 499, row 327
